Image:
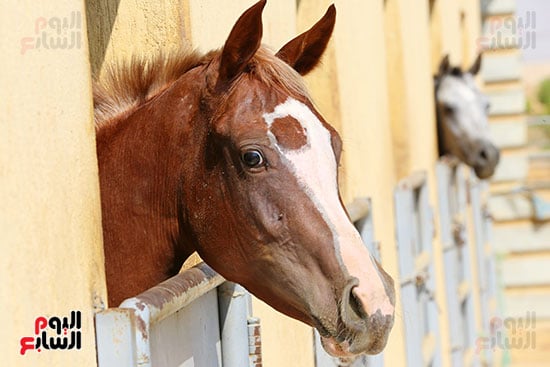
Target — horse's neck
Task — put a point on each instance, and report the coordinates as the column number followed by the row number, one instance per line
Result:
column 141, row 162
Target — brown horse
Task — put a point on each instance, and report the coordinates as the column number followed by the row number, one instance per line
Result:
column 225, row 154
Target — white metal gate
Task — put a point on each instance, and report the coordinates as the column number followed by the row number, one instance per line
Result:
column 482, row 225
column 415, row 232
column 192, row 319
column 452, row 190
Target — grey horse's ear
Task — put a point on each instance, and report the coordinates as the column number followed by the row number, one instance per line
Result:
column 444, row 66
column 476, row 66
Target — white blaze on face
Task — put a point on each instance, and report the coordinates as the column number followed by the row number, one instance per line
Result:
column 315, row 168
column 469, row 106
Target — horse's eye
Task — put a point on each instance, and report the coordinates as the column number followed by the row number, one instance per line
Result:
column 487, row 107
column 448, row 110
column 253, row 158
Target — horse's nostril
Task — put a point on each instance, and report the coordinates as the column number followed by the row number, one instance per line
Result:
column 483, row 155
column 352, row 312
column 355, row 306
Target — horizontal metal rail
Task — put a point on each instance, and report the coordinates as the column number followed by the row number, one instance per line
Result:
column 544, row 155
column 540, row 120
column 175, row 293
column 413, row 181
column 123, row 333
column 358, row 209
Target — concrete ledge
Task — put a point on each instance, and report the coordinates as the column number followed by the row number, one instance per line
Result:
column 498, row 68
column 494, row 7
column 525, row 271
column 512, row 168
column 509, row 134
column 510, row 207
column 521, row 238
column 519, row 305
column 507, row 102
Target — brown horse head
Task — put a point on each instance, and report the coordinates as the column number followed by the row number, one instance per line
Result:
column 254, row 171
column 275, row 221
column 462, row 123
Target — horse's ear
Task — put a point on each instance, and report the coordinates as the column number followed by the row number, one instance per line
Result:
column 474, row 69
column 241, row 45
column 444, row 66
column 304, row 52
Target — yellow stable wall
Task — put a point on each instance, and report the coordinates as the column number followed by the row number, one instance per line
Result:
column 445, row 30
column 52, row 257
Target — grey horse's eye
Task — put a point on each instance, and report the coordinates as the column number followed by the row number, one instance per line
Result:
column 448, row 109
column 253, row 158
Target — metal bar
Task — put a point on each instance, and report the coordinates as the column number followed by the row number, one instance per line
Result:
column 404, row 219
column 413, row 181
column 464, row 291
column 429, row 348
column 358, row 209
column 232, row 303
column 115, row 338
column 541, row 120
column 165, row 299
column 177, row 292
column 422, row 262
column 539, row 155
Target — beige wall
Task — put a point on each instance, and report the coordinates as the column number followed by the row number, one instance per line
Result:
column 411, row 86
column 52, row 258
column 446, row 36
column 118, row 29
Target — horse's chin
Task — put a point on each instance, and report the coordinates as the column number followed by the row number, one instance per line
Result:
column 349, row 350
column 484, row 172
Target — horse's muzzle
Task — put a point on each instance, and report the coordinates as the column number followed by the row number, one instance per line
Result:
column 358, row 332
column 486, row 160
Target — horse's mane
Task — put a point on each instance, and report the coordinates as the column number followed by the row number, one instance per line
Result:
column 127, row 85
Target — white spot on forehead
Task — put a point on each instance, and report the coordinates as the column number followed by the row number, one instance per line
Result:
column 469, row 105
column 455, row 89
column 314, row 165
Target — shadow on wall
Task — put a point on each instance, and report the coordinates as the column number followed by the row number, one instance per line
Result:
column 100, row 20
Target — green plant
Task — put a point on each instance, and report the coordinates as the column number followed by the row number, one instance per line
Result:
column 544, row 94
column 528, row 107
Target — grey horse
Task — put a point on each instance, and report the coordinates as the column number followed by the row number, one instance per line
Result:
column 462, row 126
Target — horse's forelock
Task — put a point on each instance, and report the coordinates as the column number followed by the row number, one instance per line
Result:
column 274, row 72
